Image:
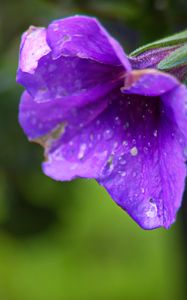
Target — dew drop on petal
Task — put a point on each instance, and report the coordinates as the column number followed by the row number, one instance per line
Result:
column 71, row 143
column 109, row 165
column 142, row 190
column 82, row 151
column 123, row 174
column 91, row 136
column 152, row 210
column 122, row 161
column 155, row 133
column 108, row 134
column 145, row 149
column 115, row 145
column 117, row 120
column 133, row 141
column 125, row 143
column 58, row 154
column 134, row 151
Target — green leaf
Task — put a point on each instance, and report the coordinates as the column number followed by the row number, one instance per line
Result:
column 178, row 38
column 175, row 59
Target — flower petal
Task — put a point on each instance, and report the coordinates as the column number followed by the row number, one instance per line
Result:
column 85, row 37
column 148, row 82
column 175, row 102
column 75, row 78
column 145, row 175
column 86, row 67
column 40, row 120
column 141, row 167
column 33, row 47
column 82, row 80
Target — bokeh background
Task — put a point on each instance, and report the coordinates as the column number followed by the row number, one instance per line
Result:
column 70, row 241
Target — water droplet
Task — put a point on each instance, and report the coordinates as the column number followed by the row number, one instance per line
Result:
column 109, row 165
column 133, row 174
column 155, row 133
column 110, row 160
column 71, row 143
column 108, row 133
column 134, row 151
column 181, row 141
column 82, row 151
column 142, row 190
column 117, row 120
column 58, row 154
column 125, row 143
column 152, row 210
column 122, row 161
column 145, row 149
column 123, row 174
column 115, row 144
column 133, row 141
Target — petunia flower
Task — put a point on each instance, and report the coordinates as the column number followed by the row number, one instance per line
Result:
column 98, row 118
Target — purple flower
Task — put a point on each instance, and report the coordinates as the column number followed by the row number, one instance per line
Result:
column 97, row 118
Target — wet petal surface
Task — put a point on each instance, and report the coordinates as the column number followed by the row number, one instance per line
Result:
column 85, row 37
column 141, row 166
column 148, row 82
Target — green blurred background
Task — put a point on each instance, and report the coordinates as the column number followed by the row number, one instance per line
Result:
column 69, row 241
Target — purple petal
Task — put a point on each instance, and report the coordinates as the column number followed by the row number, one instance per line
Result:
column 40, row 120
column 149, row 82
column 145, row 175
column 85, row 37
column 68, row 78
column 33, row 47
column 85, row 77
column 175, row 102
column 142, row 167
